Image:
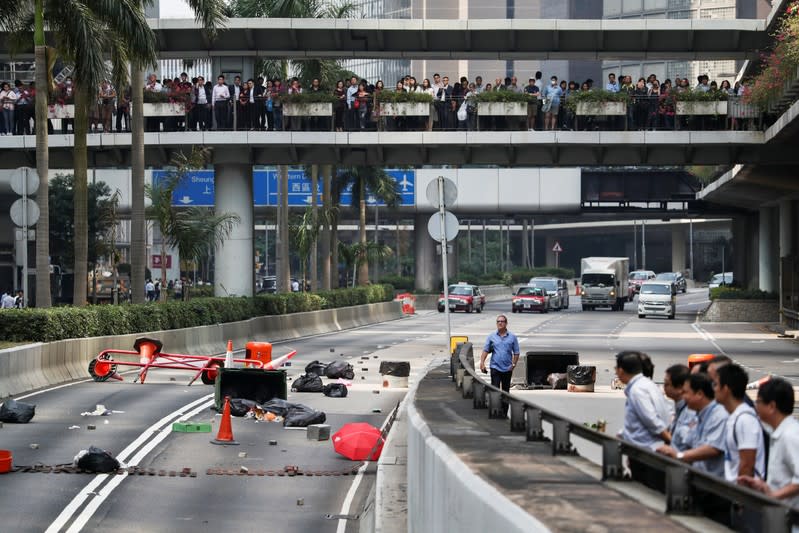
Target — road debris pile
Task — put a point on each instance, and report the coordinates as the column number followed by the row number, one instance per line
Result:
column 310, row 382
column 276, row 410
column 96, row 460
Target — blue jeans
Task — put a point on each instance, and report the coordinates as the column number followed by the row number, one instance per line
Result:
column 7, row 124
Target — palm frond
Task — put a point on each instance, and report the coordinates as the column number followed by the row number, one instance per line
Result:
column 210, row 13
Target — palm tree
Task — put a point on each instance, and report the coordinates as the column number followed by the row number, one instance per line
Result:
column 364, row 180
column 357, row 254
column 212, row 15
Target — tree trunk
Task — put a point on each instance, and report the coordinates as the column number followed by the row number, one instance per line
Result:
column 138, row 224
column 162, row 285
column 43, row 298
column 326, row 233
column 283, row 279
column 81, row 195
column 314, row 267
column 363, row 267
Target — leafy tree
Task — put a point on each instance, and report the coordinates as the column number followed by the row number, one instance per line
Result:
column 357, row 254
column 62, row 234
column 367, row 180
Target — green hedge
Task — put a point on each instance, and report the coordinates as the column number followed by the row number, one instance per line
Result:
column 734, row 293
column 47, row 325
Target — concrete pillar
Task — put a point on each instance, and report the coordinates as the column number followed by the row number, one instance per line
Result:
column 678, row 263
column 767, row 255
column 550, row 255
column 427, row 264
column 787, row 235
column 234, row 264
column 743, row 262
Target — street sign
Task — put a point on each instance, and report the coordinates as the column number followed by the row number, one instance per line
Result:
column 157, row 263
column 450, row 193
column 19, row 176
column 18, row 234
column 195, row 190
column 450, row 229
column 557, row 248
column 16, row 212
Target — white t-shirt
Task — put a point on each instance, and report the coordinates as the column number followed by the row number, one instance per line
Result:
column 748, row 435
column 783, row 457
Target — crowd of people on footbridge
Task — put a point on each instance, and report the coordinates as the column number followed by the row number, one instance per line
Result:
column 357, row 105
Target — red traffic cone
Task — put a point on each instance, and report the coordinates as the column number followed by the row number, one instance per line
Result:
column 225, row 433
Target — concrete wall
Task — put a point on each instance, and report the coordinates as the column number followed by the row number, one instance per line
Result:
column 743, row 311
column 444, row 495
column 34, row 366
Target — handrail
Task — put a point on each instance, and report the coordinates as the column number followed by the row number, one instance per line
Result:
column 682, row 480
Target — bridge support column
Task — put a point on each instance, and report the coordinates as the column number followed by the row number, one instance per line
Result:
column 427, row 264
column 550, row 255
column 234, row 264
column 743, row 257
column 767, row 254
column 678, row 249
column 787, row 239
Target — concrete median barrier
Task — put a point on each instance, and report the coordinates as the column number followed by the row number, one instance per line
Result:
column 38, row 365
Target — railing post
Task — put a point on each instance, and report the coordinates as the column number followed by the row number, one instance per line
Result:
column 495, row 407
column 478, row 394
column 774, row 520
column 535, row 427
column 612, row 467
column 679, row 496
column 516, row 416
column 459, row 374
column 466, row 386
column 560, row 438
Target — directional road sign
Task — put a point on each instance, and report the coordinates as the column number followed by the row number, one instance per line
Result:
column 196, row 188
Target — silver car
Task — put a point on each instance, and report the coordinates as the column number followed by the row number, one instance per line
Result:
column 556, row 288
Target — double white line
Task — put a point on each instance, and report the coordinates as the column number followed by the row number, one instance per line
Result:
column 144, row 443
column 708, row 337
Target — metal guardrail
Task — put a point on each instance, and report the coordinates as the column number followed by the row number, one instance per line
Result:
column 681, row 480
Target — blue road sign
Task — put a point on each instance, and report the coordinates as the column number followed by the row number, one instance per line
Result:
column 196, row 188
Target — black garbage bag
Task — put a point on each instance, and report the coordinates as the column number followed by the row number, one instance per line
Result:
column 340, row 369
column 557, row 380
column 241, row 406
column 400, row 369
column 335, row 390
column 581, row 375
column 277, row 406
column 15, row 412
column 316, row 367
column 96, row 460
column 300, row 416
column 307, row 383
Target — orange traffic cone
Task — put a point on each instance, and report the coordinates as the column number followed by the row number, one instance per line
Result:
column 225, row 433
column 229, row 355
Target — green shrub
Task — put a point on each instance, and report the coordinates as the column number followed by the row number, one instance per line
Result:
column 46, row 325
column 734, row 293
column 400, row 97
column 401, row 283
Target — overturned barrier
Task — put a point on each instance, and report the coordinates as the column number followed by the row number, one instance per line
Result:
column 34, row 366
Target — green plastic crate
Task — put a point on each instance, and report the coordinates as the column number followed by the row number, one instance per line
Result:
column 191, row 427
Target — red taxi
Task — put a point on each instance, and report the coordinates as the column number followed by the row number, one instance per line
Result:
column 531, row 299
column 463, row 297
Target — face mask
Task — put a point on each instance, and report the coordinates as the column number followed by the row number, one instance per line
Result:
column 553, row 82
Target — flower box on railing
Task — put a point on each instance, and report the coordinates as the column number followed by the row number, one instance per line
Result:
column 310, row 109
column 515, row 109
column 164, row 109
column 701, row 108
column 737, row 108
column 405, row 109
column 61, row 111
column 601, row 108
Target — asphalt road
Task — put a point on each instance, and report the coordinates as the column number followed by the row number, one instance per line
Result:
column 140, row 435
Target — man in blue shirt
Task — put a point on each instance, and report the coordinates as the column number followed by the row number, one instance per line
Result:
column 612, row 85
column 504, row 348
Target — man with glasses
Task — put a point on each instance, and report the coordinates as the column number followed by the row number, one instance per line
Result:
column 504, row 349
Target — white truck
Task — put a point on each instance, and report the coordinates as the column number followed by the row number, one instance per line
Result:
column 603, row 282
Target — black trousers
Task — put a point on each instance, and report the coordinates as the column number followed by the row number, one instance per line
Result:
column 501, row 380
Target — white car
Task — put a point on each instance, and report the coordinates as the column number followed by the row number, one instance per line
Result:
column 723, row 278
column 657, row 298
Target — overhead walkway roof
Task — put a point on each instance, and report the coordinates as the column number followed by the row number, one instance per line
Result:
column 508, row 148
column 505, row 39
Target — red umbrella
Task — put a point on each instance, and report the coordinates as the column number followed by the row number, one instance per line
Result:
column 356, row 440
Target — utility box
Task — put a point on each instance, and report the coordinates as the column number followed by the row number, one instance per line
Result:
column 253, row 384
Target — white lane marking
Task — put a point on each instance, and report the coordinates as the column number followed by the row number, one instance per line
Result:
column 83, row 494
column 708, row 337
column 106, row 491
column 53, row 388
column 345, row 506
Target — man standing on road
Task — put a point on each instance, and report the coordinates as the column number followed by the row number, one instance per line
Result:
column 504, row 349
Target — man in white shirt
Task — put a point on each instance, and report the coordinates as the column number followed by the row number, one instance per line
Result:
column 612, row 85
column 221, row 96
column 775, row 400
column 352, row 113
column 7, row 302
column 152, row 84
column 745, row 450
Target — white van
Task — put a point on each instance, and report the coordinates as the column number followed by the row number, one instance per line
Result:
column 657, row 298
